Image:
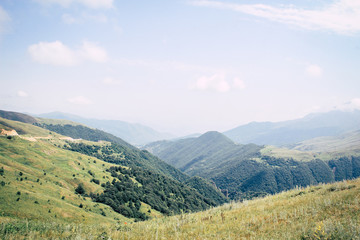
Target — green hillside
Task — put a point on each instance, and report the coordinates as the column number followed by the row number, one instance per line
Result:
column 318, row 212
column 133, row 156
column 38, row 181
column 41, row 180
column 119, row 151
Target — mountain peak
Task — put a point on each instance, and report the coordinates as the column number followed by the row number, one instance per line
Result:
column 214, row 136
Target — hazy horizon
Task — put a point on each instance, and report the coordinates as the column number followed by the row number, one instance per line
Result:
column 183, row 66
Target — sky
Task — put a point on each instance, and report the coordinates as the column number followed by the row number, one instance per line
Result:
column 180, row 66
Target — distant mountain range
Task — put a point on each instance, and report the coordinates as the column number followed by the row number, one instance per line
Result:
column 289, row 132
column 135, row 134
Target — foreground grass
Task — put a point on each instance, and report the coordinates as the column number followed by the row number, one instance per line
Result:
column 329, row 211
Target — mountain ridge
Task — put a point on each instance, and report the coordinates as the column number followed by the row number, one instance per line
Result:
column 133, row 133
column 292, row 131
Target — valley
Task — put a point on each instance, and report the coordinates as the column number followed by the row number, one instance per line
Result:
column 62, row 174
column 179, row 120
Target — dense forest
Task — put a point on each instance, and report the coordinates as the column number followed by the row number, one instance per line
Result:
column 251, row 178
column 115, row 153
column 132, row 185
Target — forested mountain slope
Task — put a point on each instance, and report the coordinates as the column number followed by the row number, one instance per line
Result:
column 200, row 156
column 245, row 171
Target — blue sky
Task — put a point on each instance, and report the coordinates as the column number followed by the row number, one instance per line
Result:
column 180, row 66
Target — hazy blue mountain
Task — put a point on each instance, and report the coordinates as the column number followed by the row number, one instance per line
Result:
column 293, row 131
column 135, row 134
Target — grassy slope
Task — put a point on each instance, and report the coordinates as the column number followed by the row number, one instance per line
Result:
column 294, row 214
column 43, row 173
column 143, row 158
column 343, row 143
column 33, row 160
column 324, row 148
column 47, row 174
column 318, row 212
column 57, row 121
column 23, row 128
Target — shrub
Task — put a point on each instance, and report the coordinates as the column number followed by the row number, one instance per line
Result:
column 96, row 181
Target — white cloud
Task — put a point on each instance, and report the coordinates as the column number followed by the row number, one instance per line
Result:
column 79, row 100
column 92, row 52
column 21, row 93
column 97, row 3
column 4, row 19
column 217, row 82
column 111, row 81
column 341, row 16
column 84, row 17
column 58, row 54
column 68, row 19
column 87, row 3
column 354, row 103
column 238, row 83
column 53, row 53
column 314, row 70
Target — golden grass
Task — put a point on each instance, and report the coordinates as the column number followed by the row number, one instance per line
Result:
column 328, row 211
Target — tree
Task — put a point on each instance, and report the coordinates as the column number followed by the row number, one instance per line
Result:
column 80, row 189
